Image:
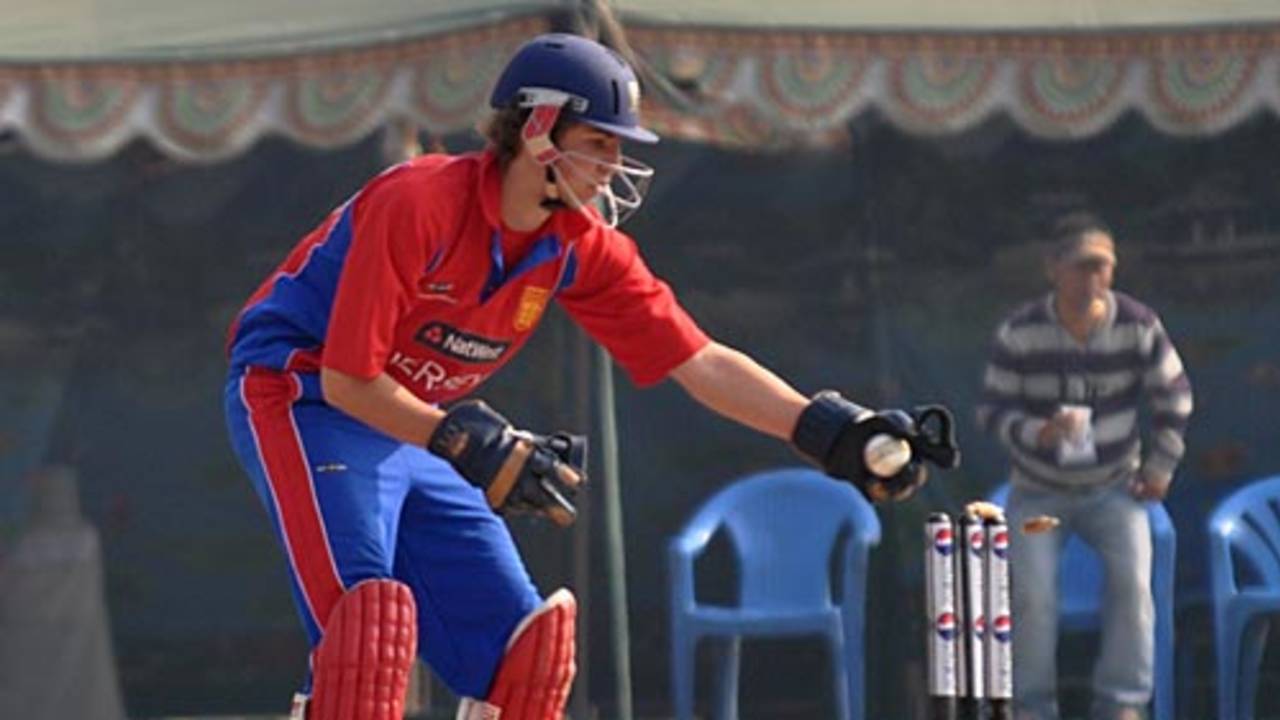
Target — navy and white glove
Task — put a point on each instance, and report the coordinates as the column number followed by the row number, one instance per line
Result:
column 833, row 433
column 519, row 472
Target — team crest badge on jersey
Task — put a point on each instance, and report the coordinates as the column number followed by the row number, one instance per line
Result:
column 532, row 302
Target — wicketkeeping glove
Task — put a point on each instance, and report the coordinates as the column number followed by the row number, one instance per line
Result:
column 833, row 432
column 519, row 472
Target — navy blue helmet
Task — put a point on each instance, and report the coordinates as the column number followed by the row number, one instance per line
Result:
column 602, row 88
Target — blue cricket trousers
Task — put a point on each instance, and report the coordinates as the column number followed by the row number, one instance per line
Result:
column 349, row 503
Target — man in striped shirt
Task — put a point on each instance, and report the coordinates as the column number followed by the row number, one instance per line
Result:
column 1067, row 377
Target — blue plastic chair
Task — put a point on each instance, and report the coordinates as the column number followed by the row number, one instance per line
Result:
column 1244, row 572
column 783, row 526
column 1080, row 579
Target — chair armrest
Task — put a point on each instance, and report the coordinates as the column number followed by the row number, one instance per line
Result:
column 1161, row 524
column 682, row 550
column 866, row 525
column 1164, row 561
column 680, row 565
column 1164, row 534
column 693, row 538
column 864, row 534
column 1222, row 582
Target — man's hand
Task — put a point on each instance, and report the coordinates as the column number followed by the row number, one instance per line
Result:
column 520, row 472
column 1063, row 425
column 834, row 433
column 1147, row 485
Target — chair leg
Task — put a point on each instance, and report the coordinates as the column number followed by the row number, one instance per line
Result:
column 728, row 662
column 1227, row 646
column 682, row 674
column 840, row 677
column 1186, row 667
column 1164, row 675
column 1255, row 643
column 855, row 663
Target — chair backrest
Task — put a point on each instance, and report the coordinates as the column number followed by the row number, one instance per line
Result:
column 1246, row 525
column 783, row 526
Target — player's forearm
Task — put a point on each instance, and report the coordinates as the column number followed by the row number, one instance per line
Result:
column 732, row 384
column 381, row 403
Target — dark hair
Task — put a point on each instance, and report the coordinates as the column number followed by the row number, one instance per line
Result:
column 1072, row 226
column 502, row 130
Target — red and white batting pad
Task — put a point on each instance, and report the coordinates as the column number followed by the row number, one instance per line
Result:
column 361, row 666
column 535, row 675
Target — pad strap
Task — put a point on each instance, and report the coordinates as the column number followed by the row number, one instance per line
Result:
column 821, row 423
column 361, row 666
column 473, row 709
column 535, row 676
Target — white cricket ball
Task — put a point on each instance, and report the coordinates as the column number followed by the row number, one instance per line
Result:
column 885, row 454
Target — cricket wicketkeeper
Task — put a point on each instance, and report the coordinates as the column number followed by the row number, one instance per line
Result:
column 351, row 365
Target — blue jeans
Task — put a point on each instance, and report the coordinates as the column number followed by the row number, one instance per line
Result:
column 1114, row 524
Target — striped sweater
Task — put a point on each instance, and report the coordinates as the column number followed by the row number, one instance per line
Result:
column 1037, row 366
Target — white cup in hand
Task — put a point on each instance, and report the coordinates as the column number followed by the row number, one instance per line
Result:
column 1074, row 421
column 1076, row 446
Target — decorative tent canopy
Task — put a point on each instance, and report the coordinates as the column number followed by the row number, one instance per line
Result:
column 80, row 78
column 766, row 88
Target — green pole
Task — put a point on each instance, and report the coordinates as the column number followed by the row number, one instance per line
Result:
column 616, row 548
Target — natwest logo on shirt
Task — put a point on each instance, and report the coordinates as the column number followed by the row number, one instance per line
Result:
column 458, row 344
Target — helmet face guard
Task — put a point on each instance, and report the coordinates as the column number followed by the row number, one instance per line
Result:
column 629, row 178
column 620, row 197
column 564, row 75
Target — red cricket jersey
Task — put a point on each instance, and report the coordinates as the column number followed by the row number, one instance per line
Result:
column 415, row 277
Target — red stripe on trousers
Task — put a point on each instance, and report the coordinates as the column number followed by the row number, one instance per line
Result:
column 269, row 396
